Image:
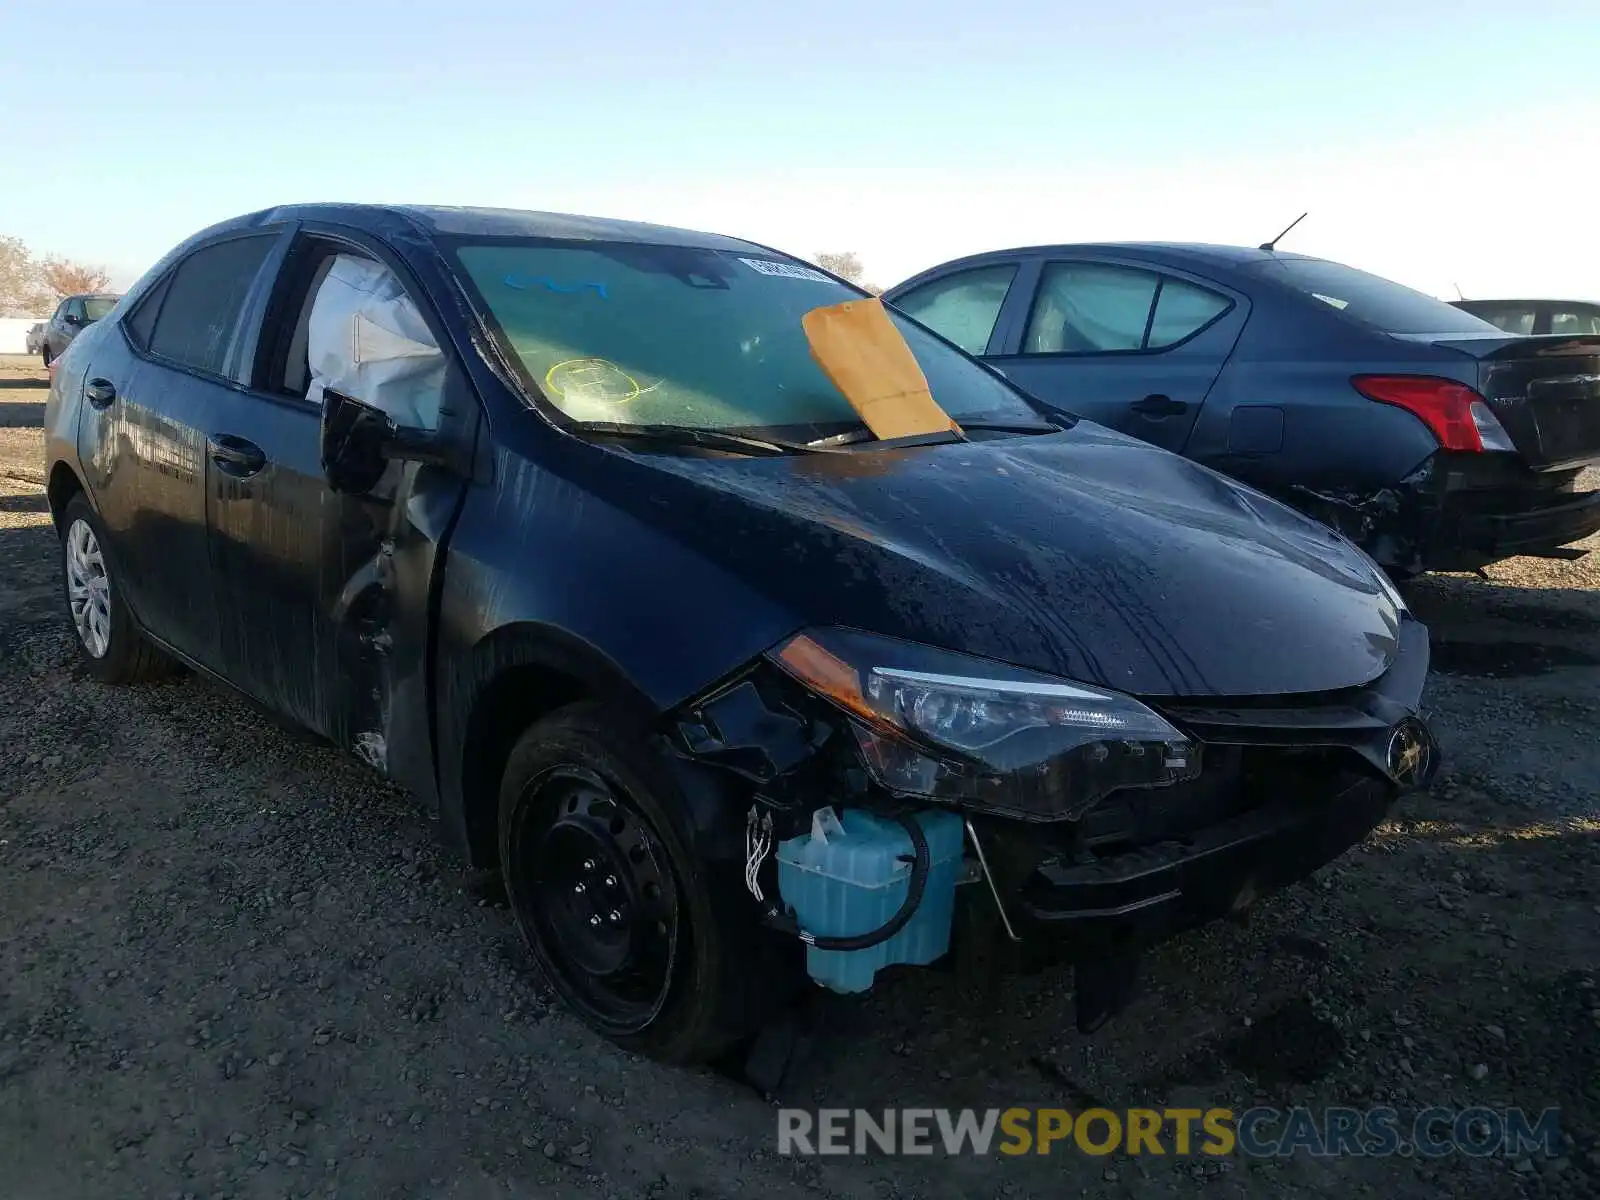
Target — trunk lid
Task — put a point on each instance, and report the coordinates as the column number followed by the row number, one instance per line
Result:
column 1544, row 390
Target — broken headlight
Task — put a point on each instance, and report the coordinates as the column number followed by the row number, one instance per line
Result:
column 968, row 731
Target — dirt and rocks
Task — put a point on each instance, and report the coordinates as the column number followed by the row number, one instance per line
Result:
column 232, row 963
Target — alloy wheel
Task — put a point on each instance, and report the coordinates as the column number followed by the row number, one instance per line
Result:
column 88, row 588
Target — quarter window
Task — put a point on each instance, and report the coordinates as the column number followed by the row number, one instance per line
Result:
column 1182, row 310
column 962, row 308
column 201, row 306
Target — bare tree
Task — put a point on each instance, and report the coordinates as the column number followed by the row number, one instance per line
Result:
column 844, row 263
column 67, row 278
column 22, row 292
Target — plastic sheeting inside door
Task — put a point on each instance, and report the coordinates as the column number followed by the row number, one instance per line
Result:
column 366, row 339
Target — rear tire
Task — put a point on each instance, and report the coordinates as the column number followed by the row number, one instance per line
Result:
column 646, row 941
column 45, row 354
column 109, row 644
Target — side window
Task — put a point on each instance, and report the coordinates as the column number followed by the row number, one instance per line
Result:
column 141, row 322
column 74, row 309
column 1568, row 322
column 60, row 313
column 202, row 303
column 1512, row 320
column 962, row 307
column 1183, row 310
column 1086, row 308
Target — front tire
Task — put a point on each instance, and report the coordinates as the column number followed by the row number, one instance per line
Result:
column 109, row 644
column 616, row 909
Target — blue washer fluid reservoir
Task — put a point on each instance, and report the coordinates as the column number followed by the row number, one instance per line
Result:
column 850, row 874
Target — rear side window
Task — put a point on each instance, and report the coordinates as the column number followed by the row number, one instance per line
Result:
column 200, row 306
column 1374, row 301
column 141, row 322
column 1509, row 317
column 964, row 307
column 1091, row 308
column 1575, row 323
column 1086, row 308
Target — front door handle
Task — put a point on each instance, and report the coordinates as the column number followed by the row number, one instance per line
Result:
column 100, row 393
column 1160, row 406
column 235, row 456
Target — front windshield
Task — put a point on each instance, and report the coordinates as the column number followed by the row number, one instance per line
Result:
column 671, row 335
column 96, row 307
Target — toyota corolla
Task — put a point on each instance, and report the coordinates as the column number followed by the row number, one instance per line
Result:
column 753, row 632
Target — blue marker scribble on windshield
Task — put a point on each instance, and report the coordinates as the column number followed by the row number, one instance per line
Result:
column 522, row 283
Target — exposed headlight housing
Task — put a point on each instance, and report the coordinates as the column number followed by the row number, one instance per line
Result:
column 968, row 731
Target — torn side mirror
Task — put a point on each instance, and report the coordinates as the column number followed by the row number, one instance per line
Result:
column 359, row 441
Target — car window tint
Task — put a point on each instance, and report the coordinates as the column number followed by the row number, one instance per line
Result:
column 1085, row 308
column 96, row 307
column 75, row 308
column 203, row 302
column 1370, row 299
column 142, row 320
column 1574, row 323
column 1511, row 318
column 962, row 307
column 1182, row 310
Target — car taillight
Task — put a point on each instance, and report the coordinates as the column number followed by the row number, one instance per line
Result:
column 1453, row 412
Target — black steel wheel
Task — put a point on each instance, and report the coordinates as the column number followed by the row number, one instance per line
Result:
column 653, row 944
column 603, row 901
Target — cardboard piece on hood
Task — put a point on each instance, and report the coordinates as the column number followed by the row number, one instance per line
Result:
column 860, row 350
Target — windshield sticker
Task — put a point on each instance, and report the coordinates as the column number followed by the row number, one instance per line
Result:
column 767, row 266
column 1333, row 300
column 523, row 282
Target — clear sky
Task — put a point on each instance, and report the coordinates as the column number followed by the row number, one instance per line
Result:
column 1439, row 142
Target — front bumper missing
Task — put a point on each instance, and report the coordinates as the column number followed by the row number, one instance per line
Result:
column 1143, row 896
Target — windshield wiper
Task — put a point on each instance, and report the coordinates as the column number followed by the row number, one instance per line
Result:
column 690, row 435
column 854, row 437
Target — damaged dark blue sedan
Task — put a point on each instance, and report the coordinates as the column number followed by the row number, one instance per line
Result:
column 752, row 632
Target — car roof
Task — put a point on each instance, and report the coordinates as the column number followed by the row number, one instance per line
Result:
column 94, row 296
column 1177, row 254
column 1524, row 300
column 449, row 221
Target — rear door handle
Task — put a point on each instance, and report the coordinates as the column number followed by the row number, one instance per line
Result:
column 100, row 393
column 1159, row 406
column 235, row 456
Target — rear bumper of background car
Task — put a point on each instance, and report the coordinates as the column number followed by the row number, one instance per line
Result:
column 1484, row 537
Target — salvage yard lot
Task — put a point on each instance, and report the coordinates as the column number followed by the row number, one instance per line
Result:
column 234, row 963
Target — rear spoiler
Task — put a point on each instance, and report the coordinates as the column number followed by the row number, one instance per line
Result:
column 1542, row 345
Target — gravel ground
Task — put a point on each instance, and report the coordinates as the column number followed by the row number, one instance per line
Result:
column 234, row 964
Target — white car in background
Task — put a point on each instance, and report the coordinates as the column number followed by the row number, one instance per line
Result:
column 36, row 337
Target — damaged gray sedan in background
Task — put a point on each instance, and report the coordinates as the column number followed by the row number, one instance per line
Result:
column 755, row 635
column 1433, row 439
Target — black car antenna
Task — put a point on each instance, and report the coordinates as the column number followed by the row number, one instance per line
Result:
column 1273, row 244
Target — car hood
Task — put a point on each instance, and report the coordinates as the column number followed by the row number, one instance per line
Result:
column 1083, row 553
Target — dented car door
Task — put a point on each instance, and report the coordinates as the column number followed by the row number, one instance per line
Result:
column 323, row 596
